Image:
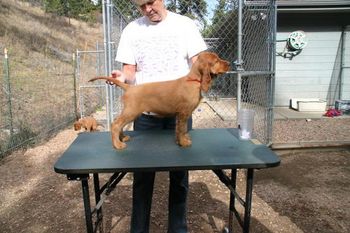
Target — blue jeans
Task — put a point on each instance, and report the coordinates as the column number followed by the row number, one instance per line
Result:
column 144, row 181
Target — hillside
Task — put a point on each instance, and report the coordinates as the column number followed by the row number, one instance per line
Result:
column 30, row 34
column 42, row 94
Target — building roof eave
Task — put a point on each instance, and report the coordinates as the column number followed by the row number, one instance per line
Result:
column 312, row 3
column 313, row 9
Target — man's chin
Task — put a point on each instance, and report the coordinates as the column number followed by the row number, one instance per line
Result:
column 155, row 18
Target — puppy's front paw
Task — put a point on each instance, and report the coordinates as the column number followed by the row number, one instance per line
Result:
column 185, row 141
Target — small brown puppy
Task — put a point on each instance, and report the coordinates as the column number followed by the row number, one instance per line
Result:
column 177, row 97
column 87, row 123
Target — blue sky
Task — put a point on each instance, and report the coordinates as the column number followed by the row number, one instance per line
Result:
column 211, row 7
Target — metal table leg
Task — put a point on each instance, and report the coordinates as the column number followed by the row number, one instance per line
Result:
column 100, row 195
column 248, row 200
column 87, row 207
column 232, row 200
column 247, row 203
column 99, row 215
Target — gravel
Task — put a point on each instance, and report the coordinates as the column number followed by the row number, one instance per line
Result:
column 307, row 193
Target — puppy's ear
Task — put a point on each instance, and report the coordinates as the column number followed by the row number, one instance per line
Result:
column 204, row 70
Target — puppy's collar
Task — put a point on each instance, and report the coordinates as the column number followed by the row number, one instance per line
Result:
column 193, row 80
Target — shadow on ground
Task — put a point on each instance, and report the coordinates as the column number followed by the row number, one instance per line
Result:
column 311, row 188
column 206, row 212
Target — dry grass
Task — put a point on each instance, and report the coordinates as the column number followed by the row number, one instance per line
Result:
column 40, row 48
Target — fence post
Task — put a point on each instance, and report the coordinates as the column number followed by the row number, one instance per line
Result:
column 239, row 61
column 75, row 85
column 7, row 89
column 344, row 64
column 107, row 24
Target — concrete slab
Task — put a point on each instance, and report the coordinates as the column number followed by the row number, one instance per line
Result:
column 288, row 113
column 227, row 110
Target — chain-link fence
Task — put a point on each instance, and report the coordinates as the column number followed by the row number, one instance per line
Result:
column 242, row 32
column 34, row 108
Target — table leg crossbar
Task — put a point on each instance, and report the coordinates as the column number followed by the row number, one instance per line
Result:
column 107, row 188
column 231, row 185
column 100, row 196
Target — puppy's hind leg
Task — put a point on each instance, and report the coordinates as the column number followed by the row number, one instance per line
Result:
column 123, row 137
column 117, row 127
column 118, row 137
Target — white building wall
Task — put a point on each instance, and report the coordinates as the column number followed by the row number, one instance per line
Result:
column 312, row 73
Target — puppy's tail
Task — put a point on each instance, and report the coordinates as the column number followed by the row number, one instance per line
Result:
column 112, row 80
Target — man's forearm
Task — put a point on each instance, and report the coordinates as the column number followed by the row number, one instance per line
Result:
column 129, row 72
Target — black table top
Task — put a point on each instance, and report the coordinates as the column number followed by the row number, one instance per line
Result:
column 156, row 151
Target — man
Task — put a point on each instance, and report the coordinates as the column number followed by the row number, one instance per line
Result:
column 159, row 46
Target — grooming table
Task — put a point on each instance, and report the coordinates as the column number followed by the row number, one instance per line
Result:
column 212, row 149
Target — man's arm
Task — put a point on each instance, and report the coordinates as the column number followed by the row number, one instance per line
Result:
column 129, row 72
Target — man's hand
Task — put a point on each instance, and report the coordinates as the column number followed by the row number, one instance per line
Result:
column 118, row 75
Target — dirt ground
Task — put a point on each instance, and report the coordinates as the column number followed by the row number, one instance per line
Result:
column 308, row 192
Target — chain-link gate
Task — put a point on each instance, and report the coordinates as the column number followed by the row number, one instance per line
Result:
column 240, row 31
column 90, row 96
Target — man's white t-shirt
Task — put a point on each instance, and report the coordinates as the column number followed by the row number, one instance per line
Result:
column 160, row 51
